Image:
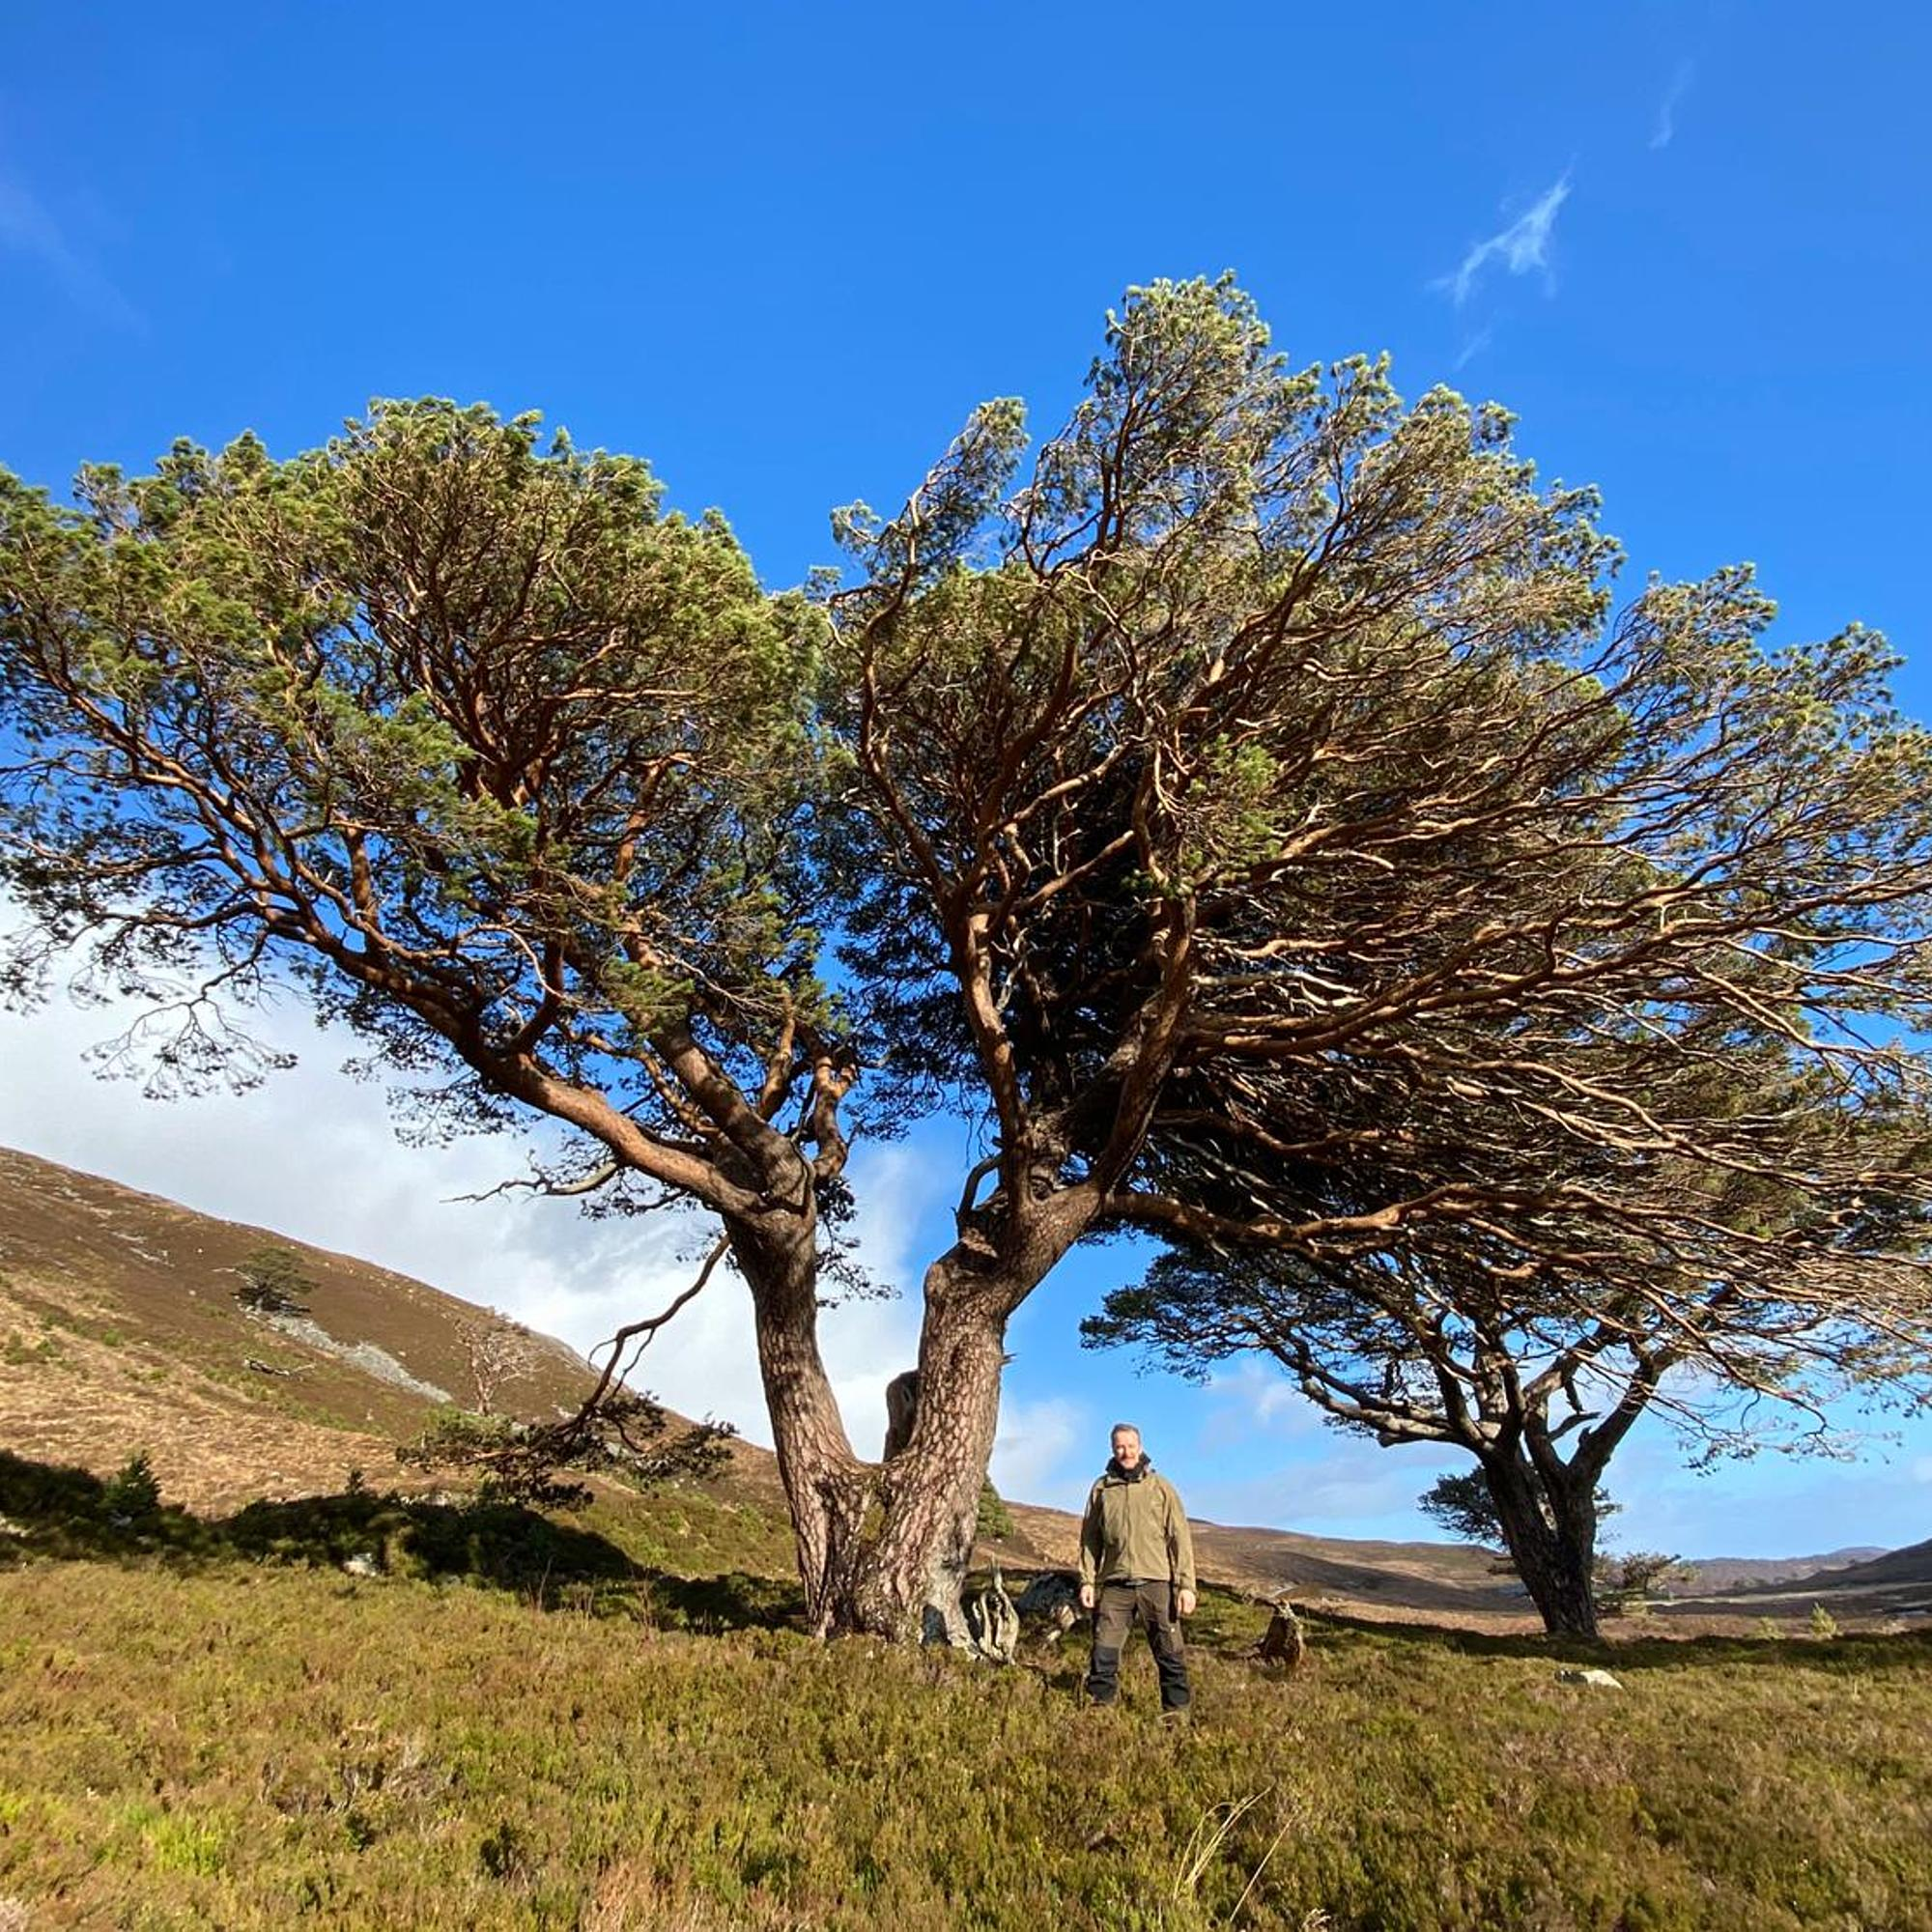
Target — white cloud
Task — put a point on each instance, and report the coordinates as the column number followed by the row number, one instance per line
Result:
column 1664, row 129
column 1522, row 246
column 310, row 1154
column 1036, row 1440
column 28, row 228
column 1474, row 346
column 1349, row 1490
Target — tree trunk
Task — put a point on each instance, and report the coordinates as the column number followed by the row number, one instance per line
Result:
column 902, row 1566
column 1550, row 1529
column 943, row 1617
column 962, row 1351
column 878, row 1543
column 821, row 1475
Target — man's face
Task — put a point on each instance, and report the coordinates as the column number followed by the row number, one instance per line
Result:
column 1126, row 1448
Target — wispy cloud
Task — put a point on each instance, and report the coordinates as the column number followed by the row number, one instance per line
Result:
column 1665, row 130
column 29, row 229
column 1251, row 1397
column 1521, row 247
column 1358, row 1490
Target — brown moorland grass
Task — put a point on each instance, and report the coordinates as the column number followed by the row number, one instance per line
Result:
column 609, row 1720
column 197, row 1735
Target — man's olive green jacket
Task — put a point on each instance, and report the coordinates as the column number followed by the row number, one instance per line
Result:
column 1135, row 1526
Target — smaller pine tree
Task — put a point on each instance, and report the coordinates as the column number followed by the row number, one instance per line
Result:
column 994, row 1519
column 273, row 1282
column 132, row 1495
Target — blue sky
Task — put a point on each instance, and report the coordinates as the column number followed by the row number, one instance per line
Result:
column 782, row 250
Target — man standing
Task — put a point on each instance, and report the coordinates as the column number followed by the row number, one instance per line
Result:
column 1136, row 1560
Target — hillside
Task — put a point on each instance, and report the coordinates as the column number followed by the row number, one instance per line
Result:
column 119, row 1330
column 1727, row 1573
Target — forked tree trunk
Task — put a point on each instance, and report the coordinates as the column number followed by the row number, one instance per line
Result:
column 1550, row 1524
column 931, row 1485
column 897, row 1565
column 877, row 1543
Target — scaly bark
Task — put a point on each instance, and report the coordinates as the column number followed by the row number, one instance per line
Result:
column 1550, row 1524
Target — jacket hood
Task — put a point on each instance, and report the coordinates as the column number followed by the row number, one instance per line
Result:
column 1140, row 1469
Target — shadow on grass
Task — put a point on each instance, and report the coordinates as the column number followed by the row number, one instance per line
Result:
column 69, row 1515
column 735, row 1600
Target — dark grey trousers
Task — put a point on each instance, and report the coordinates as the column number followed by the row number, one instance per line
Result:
column 1115, row 1612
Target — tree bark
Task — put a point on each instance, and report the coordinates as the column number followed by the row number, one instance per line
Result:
column 898, row 1560
column 943, row 1617
column 879, row 1545
column 822, row 1477
column 943, row 1460
column 1550, row 1528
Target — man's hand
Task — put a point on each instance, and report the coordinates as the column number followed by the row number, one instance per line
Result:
column 1086, row 1596
column 1184, row 1603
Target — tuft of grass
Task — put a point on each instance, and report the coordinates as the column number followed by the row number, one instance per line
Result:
column 173, row 1844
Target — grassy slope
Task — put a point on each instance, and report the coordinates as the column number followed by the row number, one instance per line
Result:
column 119, row 1331
column 215, row 1741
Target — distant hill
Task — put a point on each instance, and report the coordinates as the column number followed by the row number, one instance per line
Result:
column 1720, row 1574
column 120, row 1331
column 1911, row 1566
column 1443, row 1577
